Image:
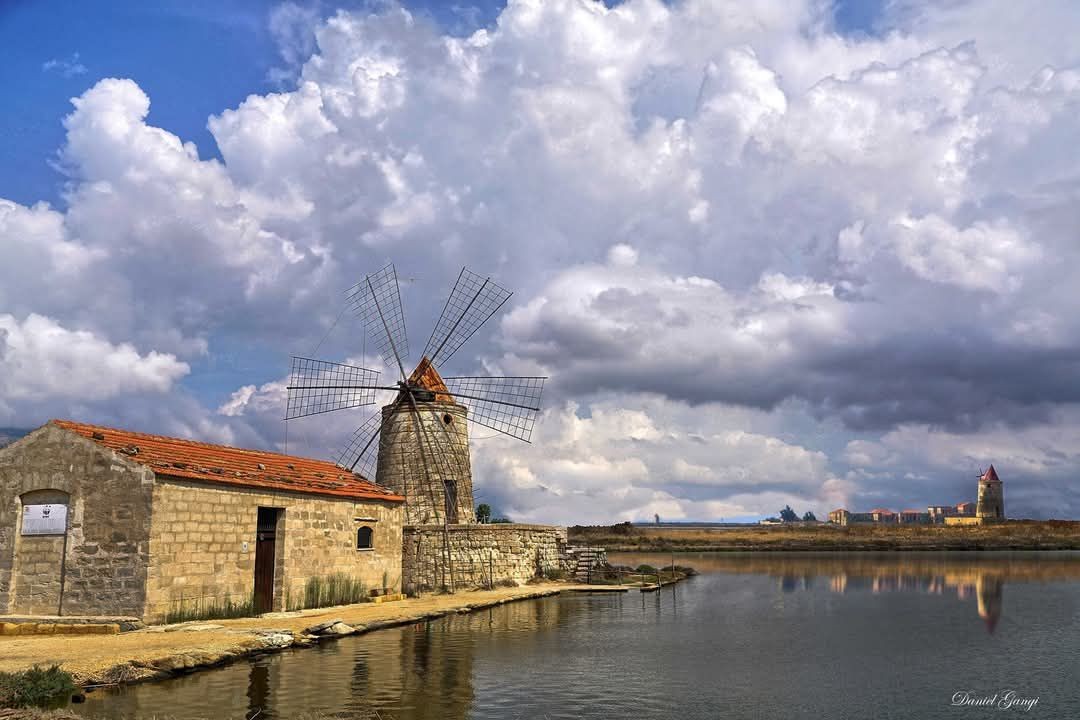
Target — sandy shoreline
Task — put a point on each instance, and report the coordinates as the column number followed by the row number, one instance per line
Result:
column 162, row 651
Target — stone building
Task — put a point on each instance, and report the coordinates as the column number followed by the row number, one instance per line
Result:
column 99, row 521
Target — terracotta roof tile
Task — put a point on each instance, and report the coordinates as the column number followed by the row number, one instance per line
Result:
column 990, row 475
column 232, row 466
column 883, row 511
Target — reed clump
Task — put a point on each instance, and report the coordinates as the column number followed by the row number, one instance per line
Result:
column 212, row 608
column 336, row 589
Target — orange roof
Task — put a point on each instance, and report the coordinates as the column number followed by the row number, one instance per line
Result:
column 882, row 511
column 908, row 512
column 232, row 466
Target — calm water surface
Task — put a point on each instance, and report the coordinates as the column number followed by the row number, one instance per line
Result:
column 764, row 635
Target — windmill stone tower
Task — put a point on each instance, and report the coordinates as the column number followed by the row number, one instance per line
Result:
column 991, row 503
column 418, row 445
column 442, row 450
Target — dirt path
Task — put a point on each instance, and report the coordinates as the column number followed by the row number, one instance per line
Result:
column 161, row 651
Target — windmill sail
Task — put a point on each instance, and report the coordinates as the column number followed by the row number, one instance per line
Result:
column 472, row 302
column 377, row 299
column 419, row 444
column 506, row 404
column 318, row 386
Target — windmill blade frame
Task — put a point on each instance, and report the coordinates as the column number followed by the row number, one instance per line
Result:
column 362, row 448
column 319, row 386
column 471, row 303
column 506, row 404
column 377, row 301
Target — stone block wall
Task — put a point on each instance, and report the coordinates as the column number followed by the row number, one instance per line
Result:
column 199, row 531
column 481, row 554
column 99, row 565
column 404, row 464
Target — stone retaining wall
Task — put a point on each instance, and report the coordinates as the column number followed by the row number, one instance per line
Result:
column 481, row 555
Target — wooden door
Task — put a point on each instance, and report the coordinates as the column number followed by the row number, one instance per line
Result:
column 266, row 539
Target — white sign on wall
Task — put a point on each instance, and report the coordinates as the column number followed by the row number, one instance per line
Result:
column 44, row 519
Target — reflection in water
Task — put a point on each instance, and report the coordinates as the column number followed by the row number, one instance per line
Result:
column 719, row 641
column 981, row 577
column 986, row 588
column 421, row 672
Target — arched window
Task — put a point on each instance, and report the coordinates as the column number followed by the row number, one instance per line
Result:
column 364, row 537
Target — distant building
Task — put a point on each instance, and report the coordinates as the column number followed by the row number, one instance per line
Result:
column 914, row 517
column 938, row 513
column 843, row 517
column 990, row 508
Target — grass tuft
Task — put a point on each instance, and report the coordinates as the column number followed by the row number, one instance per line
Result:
column 336, row 589
column 36, row 687
column 201, row 608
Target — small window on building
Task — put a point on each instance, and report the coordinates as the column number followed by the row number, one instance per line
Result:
column 364, row 536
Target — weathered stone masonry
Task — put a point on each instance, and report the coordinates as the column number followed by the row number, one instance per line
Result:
column 100, row 566
column 141, row 541
column 198, row 533
column 435, row 476
column 481, row 554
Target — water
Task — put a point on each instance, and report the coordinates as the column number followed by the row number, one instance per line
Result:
column 756, row 635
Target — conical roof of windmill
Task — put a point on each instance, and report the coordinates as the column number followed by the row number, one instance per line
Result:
column 427, row 377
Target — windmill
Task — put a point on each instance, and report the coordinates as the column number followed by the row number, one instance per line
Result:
column 418, row 445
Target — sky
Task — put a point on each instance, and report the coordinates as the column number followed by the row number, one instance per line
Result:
column 768, row 252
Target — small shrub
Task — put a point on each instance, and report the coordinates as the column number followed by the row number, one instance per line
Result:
column 36, row 687
column 646, row 569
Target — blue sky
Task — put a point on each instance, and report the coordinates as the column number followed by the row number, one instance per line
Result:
column 194, row 58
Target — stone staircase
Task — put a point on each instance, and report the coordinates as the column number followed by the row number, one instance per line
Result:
column 583, row 559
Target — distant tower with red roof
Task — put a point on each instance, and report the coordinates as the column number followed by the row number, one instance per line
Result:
column 991, row 505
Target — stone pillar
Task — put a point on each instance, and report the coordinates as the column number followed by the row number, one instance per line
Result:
column 433, row 472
